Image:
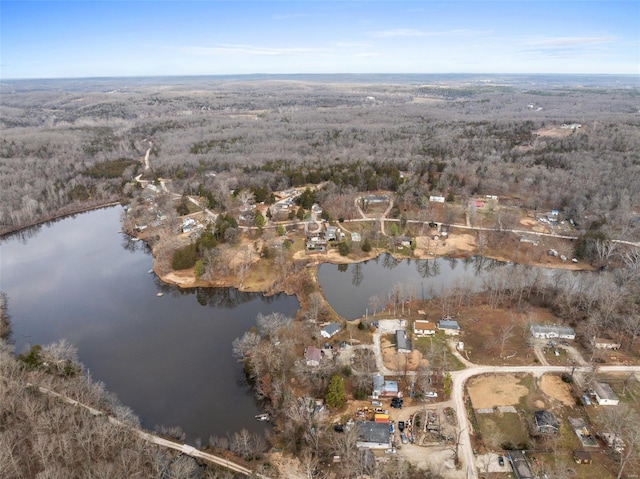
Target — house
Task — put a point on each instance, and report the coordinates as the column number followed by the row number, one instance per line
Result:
column 313, row 356
column 424, row 328
column 378, row 385
column 520, row 465
column 330, row 330
column 390, row 388
column 582, row 457
column 316, row 209
column 546, row 423
column 613, row 441
column 400, row 242
column 403, row 344
column 373, row 435
column 188, row 224
column 551, row 332
column 449, row 326
column 605, row 395
column 605, row 343
column 331, row 233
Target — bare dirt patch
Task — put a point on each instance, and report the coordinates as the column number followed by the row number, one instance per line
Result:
column 553, row 387
column 399, row 362
column 492, row 391
column 554, row 132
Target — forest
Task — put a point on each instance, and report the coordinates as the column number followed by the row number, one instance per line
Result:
column 70, row 145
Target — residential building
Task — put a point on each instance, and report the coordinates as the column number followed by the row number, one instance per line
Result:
column 605, row 343
column 373, row 435
column 449, row 326
column 378, row 385
column 330, row 330
column 520, row 465
column 403, row 344
column 546, row 423
column 551, row 332
column 313, row 356
column 605, row 395
column 424, row 328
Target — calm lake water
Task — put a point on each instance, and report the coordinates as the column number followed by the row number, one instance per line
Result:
column 348, row 288
column 168, row 358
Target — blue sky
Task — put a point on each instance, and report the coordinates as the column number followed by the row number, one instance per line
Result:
column 48, row 39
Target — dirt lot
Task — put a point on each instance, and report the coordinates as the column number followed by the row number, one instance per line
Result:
column 491, row 391
column 555, row 388
column 395, row 361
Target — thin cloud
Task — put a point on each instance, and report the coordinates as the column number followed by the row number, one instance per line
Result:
column 412, row 32
column 563, row 42
column 249, row 50
column 288, row 16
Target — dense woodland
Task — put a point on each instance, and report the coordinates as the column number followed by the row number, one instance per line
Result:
column 67, row 145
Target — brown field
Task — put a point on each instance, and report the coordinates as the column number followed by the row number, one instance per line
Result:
column 491, row 391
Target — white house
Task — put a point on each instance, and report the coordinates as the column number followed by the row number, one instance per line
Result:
column 551, row 332
column 605, row 395
column 436, row 199
column 449, row 326
column 330, row 330
column 424, row 328
column 604, row 343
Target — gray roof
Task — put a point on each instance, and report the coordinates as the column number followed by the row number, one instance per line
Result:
column 520, row 465
column 448, row 324
column 545, row 420
column 604, row 391
column 331, row 328
column 402, row 342
column 378, row 381
column 369, row 431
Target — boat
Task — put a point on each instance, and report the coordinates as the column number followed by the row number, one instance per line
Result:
column 263, row 417
column 159, row 295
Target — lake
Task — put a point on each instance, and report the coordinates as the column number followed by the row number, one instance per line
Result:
column 168, row 358
column 348, row 288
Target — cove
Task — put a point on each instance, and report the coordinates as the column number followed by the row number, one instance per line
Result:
column 168, row 358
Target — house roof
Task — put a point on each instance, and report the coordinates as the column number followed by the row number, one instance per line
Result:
column 331, row 328
column 369, row 431
column 520, row 465
column 391, row 386
column 313, row 354
column 448, row 324
column 604, row 391
column 560, row 330
column 402, row 342
column 424, row 325
column 378, row 381
column 544, row 419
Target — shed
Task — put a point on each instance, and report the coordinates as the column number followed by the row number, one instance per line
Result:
column 330, row 330
column 605, row 395
column 424, row 328
column 582, row 457
column 403, row 345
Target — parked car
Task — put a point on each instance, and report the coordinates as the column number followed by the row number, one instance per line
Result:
column 431, row 394
column 400, row 426
column 391, row 450
column 376, row 403
column 403, row 438
column 501, row 461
